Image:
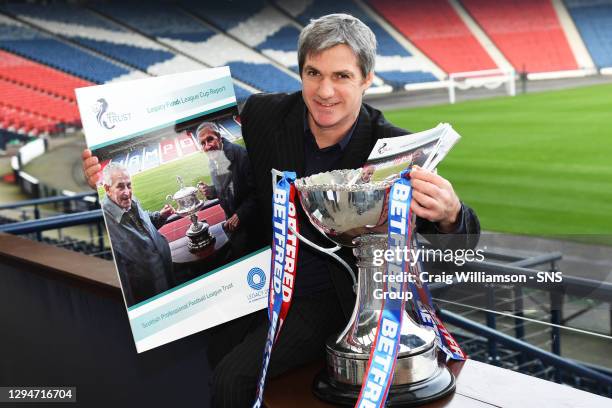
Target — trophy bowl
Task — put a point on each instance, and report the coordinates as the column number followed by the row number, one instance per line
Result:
column 188, row 205
column 354, row 214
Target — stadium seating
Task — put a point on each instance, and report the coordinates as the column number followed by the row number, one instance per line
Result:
column 246, row 64
column 394, row 64
column 593, row 18
column 282, row 46
column 168, row 25
column 259, row 25
column 208, row 46
column 438, row 31
column 88, row 29
column 25, row 122
column 38, row 76
column 19, row 39
column 527, row 32
column 29, row 100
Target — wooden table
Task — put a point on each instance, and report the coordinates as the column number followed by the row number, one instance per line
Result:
column 479, row 385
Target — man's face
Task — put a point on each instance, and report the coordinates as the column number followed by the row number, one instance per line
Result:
column 120, row 191
column 332, row 87
column 209, row 140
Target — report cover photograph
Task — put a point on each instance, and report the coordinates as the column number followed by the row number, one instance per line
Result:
column 177, row 197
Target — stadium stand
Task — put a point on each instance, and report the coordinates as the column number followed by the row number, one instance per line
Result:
column 39, row 77
column 394, row 64
column 527, row 32
column 244, row 62
column 203, row 43
column 29, row 100
column 593, row 18
column 260, row 26
column 436, row 29
column 22, row 40
column 168, row 25
column 22, row 122
column 282, row 46
column 90, row 30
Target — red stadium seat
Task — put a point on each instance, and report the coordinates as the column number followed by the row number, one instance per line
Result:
column 37, row 76
column 527, row 32
column 436, row 29
column 30, row 100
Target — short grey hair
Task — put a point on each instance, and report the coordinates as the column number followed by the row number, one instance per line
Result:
column 334, row 29
column 109, row 169
column 208, row 125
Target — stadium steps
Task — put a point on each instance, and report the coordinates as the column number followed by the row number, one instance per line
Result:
column 577, row 45
column 527, row 32
column 438, row 31
column 594, row 22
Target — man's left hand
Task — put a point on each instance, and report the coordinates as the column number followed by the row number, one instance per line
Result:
column 166, row 211
column 232, row 223
column 434, row 199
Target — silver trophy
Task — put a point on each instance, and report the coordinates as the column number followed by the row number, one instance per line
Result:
column 353, row 213
column 188, row 205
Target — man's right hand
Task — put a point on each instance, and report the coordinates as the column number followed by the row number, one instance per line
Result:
column 91, row 168
column 206, row 190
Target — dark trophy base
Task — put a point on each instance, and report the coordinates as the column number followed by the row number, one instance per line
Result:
column 199, row 239
column 409, row 395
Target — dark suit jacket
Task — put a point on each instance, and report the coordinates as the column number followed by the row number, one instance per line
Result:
column 273, row 130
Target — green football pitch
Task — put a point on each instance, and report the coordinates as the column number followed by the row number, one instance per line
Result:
column 152, row 186
column 538, row 164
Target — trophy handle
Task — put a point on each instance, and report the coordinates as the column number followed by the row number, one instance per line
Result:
column 329, row 251
column 169, row 199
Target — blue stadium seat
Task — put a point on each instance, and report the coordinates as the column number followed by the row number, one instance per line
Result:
column 246, row 64
column 90, row 30
column 226, row 14
column 168, row 24
column 594, row 22
column 21, row 40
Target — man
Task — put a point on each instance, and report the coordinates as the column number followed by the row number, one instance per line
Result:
column 324, row 127
column 232, row 184
column 142, row 254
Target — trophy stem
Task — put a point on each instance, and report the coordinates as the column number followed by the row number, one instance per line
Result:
column 418, row 377
column 328, row 251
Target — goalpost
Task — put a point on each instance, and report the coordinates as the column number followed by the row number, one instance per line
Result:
column 490, row 79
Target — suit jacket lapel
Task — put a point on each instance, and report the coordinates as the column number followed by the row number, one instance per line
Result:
column 358, row 149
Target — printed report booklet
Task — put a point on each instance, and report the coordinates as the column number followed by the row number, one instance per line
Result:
column 176, row 194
